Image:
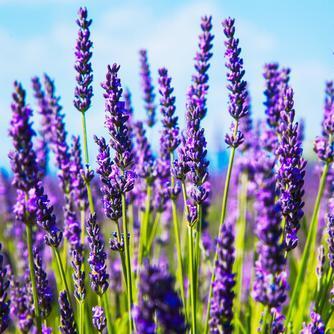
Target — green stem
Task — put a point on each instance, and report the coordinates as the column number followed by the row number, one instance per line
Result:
column 264, row 321
column 84, row 133
column 62, row 273
column 144, row 227
column 222, row 218
column 86, row 157
column 192, row 288
column 240, row 245
column 177, row 239
column 128, row 263
column 179, row 253
column 107, row 312
column 154, row 232
column 121, row 254
column 33, row 277
column 81, row 316
column 309, row 245
column 197, row 245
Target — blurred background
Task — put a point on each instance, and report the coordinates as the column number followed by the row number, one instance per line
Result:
column 38, row 36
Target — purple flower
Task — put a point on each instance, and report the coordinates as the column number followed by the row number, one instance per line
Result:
column 198, row 90
column 21, row 306
column 44, row 110
column 116, row 119
column 66, row 315
column 44, row 291
column 270, row 282
column 291, row 171
column 83, row 54
column 59, row 134
column 330, row 240
column 78, row 185
column 238, row 96
column 221, row 311
column 157, row 296
column 192, row 151
column 147, row 87
column 97, row 257
column 72, row 229
column 275, row 79
column 23, row 157
column 277, row 325
column 99, row 318
column 39, row 205
column 78, row 273
column 169, row 139
column 4, row 300
column 316, row 326
column 145, row 161
column 328, row 107
column 112, row 201
column 42, row 152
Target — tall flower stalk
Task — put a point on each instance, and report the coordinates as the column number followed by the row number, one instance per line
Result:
column 324, row 148
column 122, row 175
column 84, row 90
column 192, row 161
column 238, row 108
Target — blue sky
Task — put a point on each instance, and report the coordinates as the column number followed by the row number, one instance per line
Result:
column 38, row 36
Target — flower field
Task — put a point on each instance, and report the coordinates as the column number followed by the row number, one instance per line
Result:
column 144, row 240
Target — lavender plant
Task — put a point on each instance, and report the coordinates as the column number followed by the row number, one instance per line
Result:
column 248, row 265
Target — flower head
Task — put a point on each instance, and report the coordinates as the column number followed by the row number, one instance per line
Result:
column 83, row 54
column 147, row 87
column 66, row 315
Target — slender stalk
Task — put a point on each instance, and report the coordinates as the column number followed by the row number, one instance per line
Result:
column 144, row 227
column 192, row 284
column 82, row 225
column 84, row 134
column 309, row 245
column 62, row 273
column 107, row 312
column 264, row 321
column 154, row 231
column 33, row 277
column 179, row 253
column 128, row 263
column 177, row 239
column 222, row 219
column 86, row 157
column 197, row 245
column 81, row 316
column 240, row 246
column 121, row 254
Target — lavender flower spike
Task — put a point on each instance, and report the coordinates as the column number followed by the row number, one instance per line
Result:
column 238, row 96
column 169, row 139
column 99, row 318
column 316, row 326
column 66, row 315
column 157, row 296
column 221, row 313
column 116, row 119
column 198, row 90
column 147, row 87
column 4, row 301
column 291, row 172
column 270, row 278
column 323, row 146
column 83, row 54
column 97, row 257
column 23, row 157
